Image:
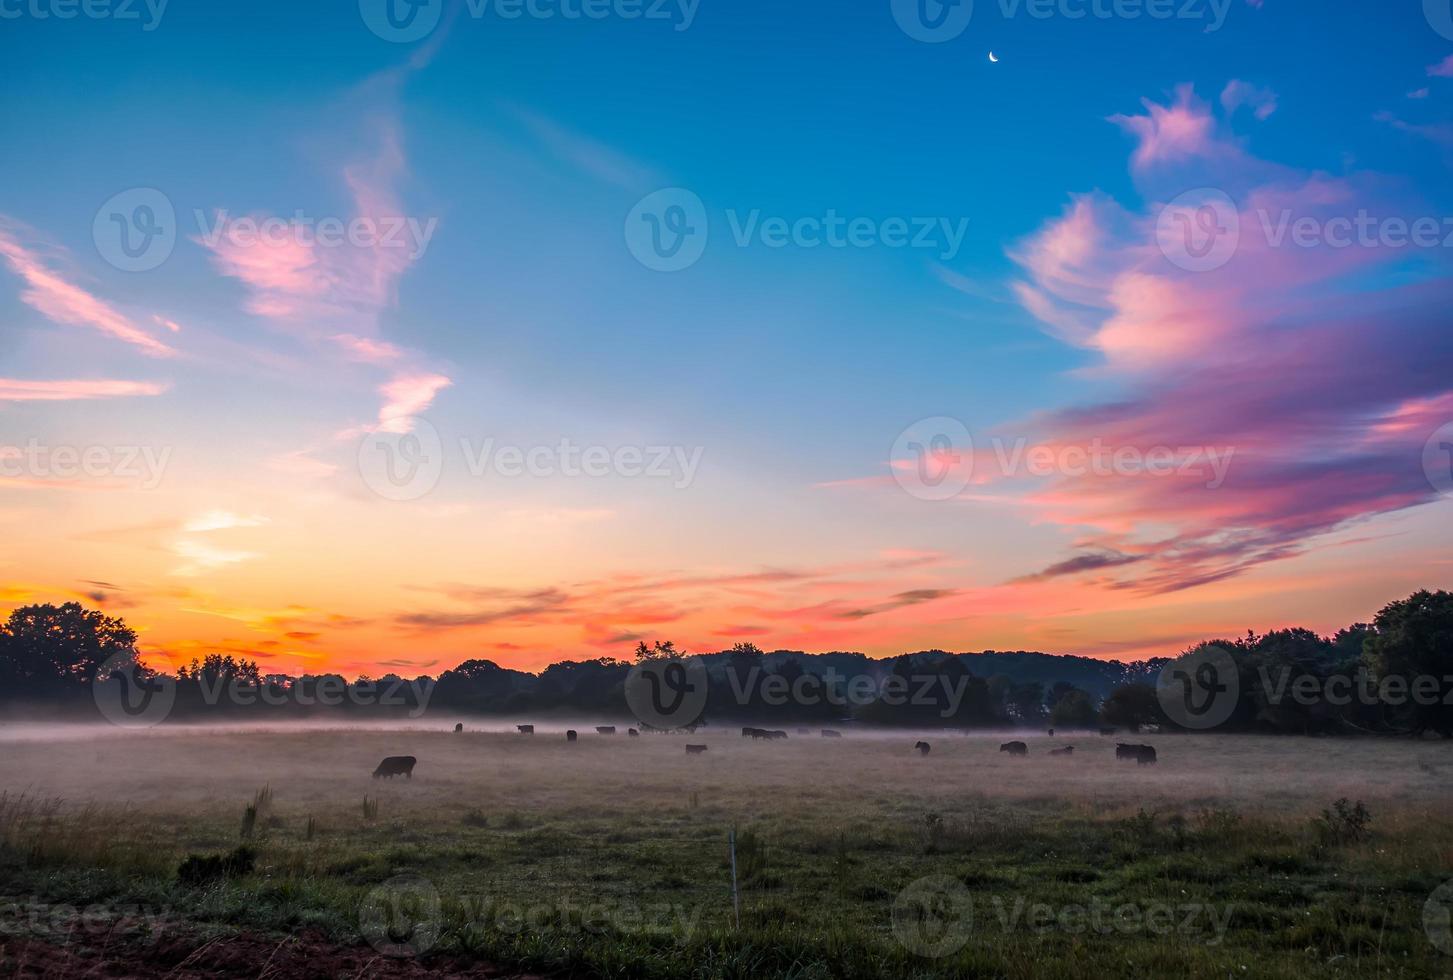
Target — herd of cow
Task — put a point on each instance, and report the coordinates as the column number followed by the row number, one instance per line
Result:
column 403, row 765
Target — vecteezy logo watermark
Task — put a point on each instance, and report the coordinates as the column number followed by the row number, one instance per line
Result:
column 933, row 458
column 147, row 12
column 1102, row 918
column 1438, row 459
column 667, row 230
column 1200, row 230
column 858, row 690
column 1200, row 689
column 1439, row 14
column 130, row 696
column 402, row 21
column 933, row 916
column 402, row 917
column 135, row 230
column 404, row 463
column 1438, row 918
column 141, row 467
column 667, row 693
column 933, row 21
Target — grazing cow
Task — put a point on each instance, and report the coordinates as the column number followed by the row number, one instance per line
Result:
column 396, row 765
column 1014, row 748
column 525, row 729
column 459, row 727
column 1067, row 750
column 1051, row 733
column 756, row 733
column 829, row 733
column 605, row 729
column 1108, row 731
column 922, row 748
column 570, row 736
column 633, row 733
column 695, row 749
column 1143, row 754
column 774, row 734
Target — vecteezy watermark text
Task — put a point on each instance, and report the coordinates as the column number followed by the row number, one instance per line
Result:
column 142, row 467
column 937, row 21
column 667, row 231
column 406, row 21
column 408, row 464
column 148, row 13
column 935, row 459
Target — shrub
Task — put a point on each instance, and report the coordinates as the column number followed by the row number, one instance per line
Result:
column 200, row 869
column 1342, row 823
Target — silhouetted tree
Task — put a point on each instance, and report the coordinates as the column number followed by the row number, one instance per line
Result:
column 1412, row 639
column 47, row 650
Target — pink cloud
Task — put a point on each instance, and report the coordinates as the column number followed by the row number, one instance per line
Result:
column 1317, row 372
column 64, row 302
column 366, row 349
column 1443, row 69
column 1171, row 133
column 13, row 390
column 407, row 396
column 1261, row 101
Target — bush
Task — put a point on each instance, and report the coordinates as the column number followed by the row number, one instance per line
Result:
column 199, row 869
column 1342, row 823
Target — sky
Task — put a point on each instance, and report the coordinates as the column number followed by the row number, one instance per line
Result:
column 376, row 336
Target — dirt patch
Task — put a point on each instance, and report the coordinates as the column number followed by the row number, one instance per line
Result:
column 177, row 956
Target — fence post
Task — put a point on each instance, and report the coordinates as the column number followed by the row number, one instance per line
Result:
column 736, row 901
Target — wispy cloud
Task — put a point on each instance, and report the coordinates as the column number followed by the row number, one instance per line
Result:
column 15, row 390
column 64, row 302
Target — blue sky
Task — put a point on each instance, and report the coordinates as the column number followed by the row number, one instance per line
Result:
column 530, row 140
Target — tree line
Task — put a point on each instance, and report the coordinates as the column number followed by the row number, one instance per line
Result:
column 1287, row 680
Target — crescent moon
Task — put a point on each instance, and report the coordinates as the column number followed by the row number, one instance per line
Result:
column 992, row 58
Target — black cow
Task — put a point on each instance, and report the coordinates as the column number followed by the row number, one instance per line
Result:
column 1142, row 754
column 570, row 736
column 695, row 749
column 1014, row 748
column 922, row 748
column 459, row 727
column 605, row 729
column 525, row 729
column 1051, row 733
column 396, row 765
column 829, row 733
column 633, row 733
column 1067, row 750
column 774, row 734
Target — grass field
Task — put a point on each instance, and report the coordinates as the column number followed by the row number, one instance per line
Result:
column 856, row 858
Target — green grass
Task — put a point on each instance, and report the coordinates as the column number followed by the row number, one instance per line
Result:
column 613, row 861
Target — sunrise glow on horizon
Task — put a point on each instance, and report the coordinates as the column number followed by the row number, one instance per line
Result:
column 350, row 352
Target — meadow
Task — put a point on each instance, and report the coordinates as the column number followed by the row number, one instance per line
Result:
column 609, row 856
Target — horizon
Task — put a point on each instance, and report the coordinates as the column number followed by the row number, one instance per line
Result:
column 350, row 347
